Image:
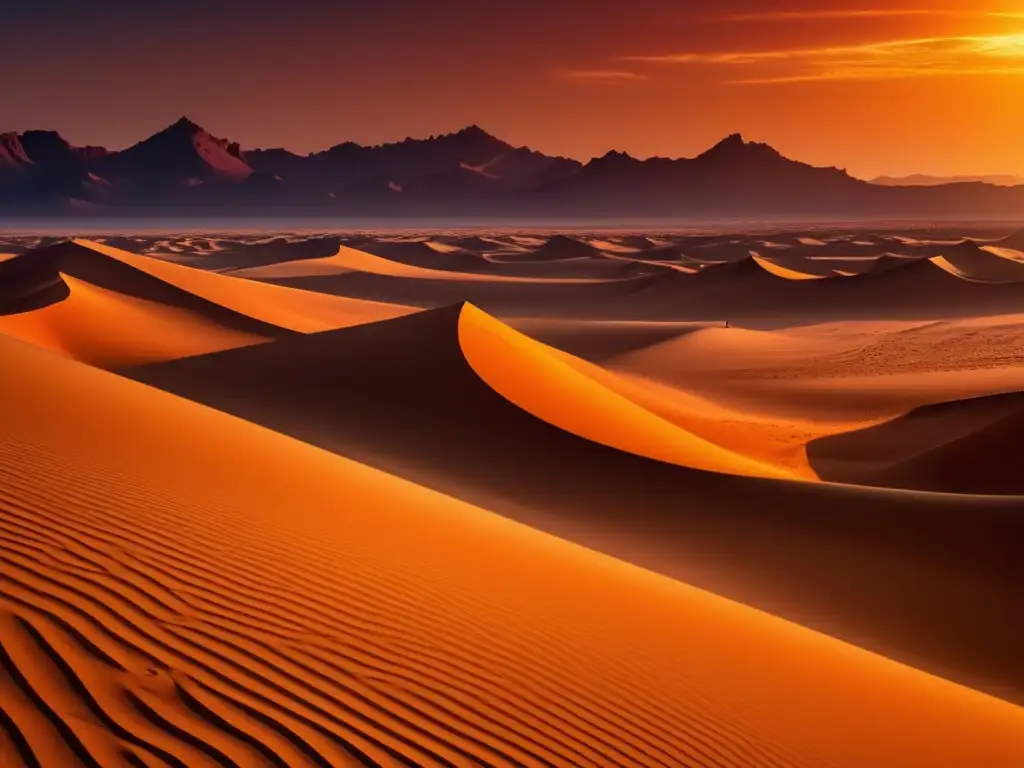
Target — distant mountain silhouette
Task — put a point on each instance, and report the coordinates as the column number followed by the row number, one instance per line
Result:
column 184, row 153
column 184, row 169
column 732, row 178
column 469, row 160
column 50, row 149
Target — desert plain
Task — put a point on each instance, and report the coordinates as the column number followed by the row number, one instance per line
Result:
column 482, row 498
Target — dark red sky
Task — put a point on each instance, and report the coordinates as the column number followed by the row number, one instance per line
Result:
column 894, row 86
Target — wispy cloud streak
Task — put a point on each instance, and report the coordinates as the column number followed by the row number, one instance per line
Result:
column 893, row 59
column 601, row 76
column 864, row 13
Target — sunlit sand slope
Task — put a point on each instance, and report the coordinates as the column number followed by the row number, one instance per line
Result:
column 575, row 396
column 839, row 372
column 355, row 274
column 277, row 605
column 926, row 579
column 285, row 307
column 99, row 310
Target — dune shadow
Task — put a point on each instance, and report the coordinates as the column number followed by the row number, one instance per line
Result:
column 962, row 446
column 29, row 282
column 930, row 580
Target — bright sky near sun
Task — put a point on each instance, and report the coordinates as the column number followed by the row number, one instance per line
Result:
column 892, row 86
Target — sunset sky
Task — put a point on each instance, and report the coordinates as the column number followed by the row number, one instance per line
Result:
column 893, row 87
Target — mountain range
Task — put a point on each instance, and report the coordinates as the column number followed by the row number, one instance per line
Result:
column 184, row 170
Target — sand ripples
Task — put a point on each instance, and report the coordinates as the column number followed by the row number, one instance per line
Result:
column 126, row 641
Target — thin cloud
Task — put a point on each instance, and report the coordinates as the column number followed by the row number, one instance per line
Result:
column 832, row 14
column 864, row 13
column 894, row 59
column 895, row 73
column 601, row 76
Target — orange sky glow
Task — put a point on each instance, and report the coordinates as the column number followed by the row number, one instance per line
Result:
column 895, row 87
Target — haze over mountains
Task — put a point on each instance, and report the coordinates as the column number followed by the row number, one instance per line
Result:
column 184, row 170
column 924, row 180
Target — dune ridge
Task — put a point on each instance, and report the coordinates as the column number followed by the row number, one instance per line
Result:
column 749, row 288
column 295, row 310
column 107, row 313
column 564, row 391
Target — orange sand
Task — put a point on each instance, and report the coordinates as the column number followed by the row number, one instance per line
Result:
column 282, row 604
column 179, row 586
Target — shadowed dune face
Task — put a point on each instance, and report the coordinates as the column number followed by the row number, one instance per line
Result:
column 964, row 446
column 193, row 585
column 29, row 283
column 277, row 250
column 408, row 399
column 752, row 290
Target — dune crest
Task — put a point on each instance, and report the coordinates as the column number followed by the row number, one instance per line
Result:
column 547, row 384
column 779, row 270
column 112, row 330
column 289, row 308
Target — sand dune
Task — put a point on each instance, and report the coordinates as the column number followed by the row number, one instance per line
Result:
column 560, row 247
column 955, row 447
column 575, row 396
column 612, row 246
column 287, row 308
column 350, row 260
column 107, row 313
column 475, row 243
column 1014, row 241
column 356, row 274
column 1005, row 253
column 660, row 253
column 779, row 270
column 984, row 265
column 398, row 627
column 179, row 586
column 245, row 255
column 924, row 288
column 409, row 400
column 29, row 283
column 839, row 372
column 113, row 330
column 430, row 255
column 888, row 261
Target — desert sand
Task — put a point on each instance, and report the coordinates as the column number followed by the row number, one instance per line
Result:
column 492, row 498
